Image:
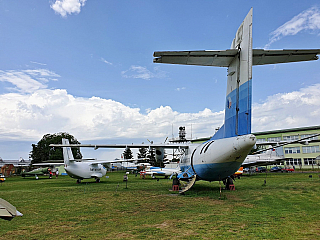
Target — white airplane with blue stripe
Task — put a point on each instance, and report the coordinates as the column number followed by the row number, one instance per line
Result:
column 221, row 156
column 160, row 171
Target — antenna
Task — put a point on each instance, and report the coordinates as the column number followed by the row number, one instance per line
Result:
column 172, row 131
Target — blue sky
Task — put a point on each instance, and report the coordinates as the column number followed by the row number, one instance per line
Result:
column 86, row 67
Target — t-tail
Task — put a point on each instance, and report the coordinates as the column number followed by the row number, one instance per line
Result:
column 239, row 61
column 67, row 153
column 237, row 119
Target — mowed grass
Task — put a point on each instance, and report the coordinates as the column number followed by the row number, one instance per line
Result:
column 287, row 207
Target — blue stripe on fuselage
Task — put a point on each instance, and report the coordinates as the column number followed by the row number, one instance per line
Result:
column 210, row 172
column 244, row 117
column 216, row 171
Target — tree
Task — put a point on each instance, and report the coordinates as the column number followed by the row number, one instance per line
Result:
column 43, row 152
column 127, row 154
column 152, row 157
column 142, row 153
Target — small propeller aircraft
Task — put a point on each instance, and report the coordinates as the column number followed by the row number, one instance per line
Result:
column 86, row 169
column 158, row 171
column 222, row 155
column 82, row 169
column 36, row 172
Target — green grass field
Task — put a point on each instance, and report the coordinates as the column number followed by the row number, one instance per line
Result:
column 288, row 207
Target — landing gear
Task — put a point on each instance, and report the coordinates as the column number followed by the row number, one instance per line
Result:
column 78, row 181
column 175, row 181
column 227, row 182
column 97, row 180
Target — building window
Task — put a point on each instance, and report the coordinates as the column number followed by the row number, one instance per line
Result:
column 274, row 139
column 261, row 140
column 291, row 138
column 291, row 150
column 309, row 161
column 310, row 149
column 309, row 135
column 294, row 161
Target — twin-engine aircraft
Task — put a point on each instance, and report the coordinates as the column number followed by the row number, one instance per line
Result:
column 82, row 169
column 86, row 169
column 223, row 154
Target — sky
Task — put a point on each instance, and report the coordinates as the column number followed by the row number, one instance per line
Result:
column 86, row 67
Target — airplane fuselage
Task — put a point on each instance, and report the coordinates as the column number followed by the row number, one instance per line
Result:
column 158, row 171
column 85, row 170
column 217, row 159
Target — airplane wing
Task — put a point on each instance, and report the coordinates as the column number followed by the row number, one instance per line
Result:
column 224, row 58
column 156, row 173
column 95, row 161
column 163, row 145
column 48, row 164
column 264, row 162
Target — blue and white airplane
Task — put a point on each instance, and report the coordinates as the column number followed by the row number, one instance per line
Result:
column 161, row 172
column 223, row 154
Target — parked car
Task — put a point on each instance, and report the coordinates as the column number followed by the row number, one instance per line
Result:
column 288, row 169
column 261, row 169
column 276, row 169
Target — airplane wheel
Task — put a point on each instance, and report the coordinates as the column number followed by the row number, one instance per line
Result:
column 97, row 180
column 78, row 181
column 229, row 182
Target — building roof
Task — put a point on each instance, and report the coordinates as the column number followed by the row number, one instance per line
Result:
column 16, row 163
column 269, row 132
column 288, row 130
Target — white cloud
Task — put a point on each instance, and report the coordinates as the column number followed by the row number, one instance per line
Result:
column 43, row 64
column 307, row 20
column 35, row 110
column 137, row 72
column 29, row 114
column 288, row 110
column 142, row 72
column 64, row 7
column 28, row 81
column 105, row 61
column 179, row 89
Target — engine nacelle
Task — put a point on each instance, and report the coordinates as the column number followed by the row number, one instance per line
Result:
column 159, row 154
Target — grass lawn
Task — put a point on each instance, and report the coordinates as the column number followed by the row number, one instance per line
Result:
column 288, row 207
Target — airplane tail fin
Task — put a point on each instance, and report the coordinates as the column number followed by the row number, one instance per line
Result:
column 238, row 59
column 67, row 153
column 239, row 84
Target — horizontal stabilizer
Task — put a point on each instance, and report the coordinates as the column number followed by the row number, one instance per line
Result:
column 202, row 58
column 224, row 58
column 262, row 57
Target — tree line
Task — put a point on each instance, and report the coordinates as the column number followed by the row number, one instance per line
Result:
column 42, row 151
